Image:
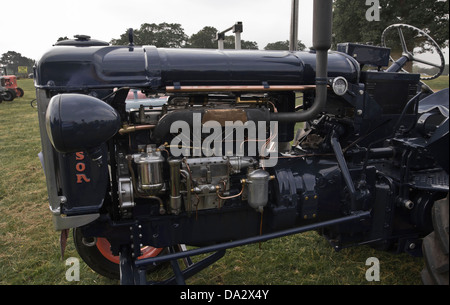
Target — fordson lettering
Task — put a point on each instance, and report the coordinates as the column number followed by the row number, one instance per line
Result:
column 80, row 168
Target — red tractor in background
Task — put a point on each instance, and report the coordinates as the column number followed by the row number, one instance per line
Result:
column 8, row 86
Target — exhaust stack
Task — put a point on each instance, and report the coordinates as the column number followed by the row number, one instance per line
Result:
column 322, row 23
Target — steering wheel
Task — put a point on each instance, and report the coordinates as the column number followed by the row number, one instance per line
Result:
column 408, row 55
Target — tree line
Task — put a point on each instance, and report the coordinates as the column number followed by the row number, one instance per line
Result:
column 171, row 35
column 351, row 25
column 15, row 63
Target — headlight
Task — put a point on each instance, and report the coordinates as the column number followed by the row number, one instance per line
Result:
column 340, row 86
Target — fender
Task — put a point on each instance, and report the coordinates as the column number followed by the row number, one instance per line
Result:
column 434, row 115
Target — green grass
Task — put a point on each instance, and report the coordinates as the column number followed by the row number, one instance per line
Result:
column 438, row 83
column 29, row 247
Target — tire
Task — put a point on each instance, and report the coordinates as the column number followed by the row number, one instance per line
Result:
column 435, row 246
column 9, row 95
column 20, row 92
column 97, row 255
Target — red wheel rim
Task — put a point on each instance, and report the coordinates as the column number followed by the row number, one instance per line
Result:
column 104, row 247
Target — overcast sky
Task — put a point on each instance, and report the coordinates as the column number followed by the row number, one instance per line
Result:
column 33, row 26
column 30, row 27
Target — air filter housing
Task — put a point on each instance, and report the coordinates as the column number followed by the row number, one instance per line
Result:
column 77, row 122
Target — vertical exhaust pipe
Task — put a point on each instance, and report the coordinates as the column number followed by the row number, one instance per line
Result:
column 293, row 41
column 323, row 13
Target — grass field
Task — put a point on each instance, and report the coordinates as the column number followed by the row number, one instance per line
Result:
column 438, row 83
column 29, row 247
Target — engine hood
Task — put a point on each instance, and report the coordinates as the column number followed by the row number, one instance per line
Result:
column 76, row 68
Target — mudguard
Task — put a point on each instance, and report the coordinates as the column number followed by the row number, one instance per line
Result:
column 438, row 143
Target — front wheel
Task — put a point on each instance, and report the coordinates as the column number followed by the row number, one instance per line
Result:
column 20, row 92
column 9, row 95
column 96, row 253
column 435, row 246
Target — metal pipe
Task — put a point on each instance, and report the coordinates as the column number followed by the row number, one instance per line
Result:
column 359, row 215
column 293, row 41
column 232, row 196
column 175, row 196
column 129, row 129
column 237, row 41
column 321, row 42
column 397, row 65
column 220, row 37
column 237, row 30
column 173, row 89
column 343, row 166
column 382, row 152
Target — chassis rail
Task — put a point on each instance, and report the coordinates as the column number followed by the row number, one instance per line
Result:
column 134, row 271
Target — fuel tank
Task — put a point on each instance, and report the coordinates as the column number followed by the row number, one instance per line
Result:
column 67, row 68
